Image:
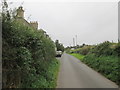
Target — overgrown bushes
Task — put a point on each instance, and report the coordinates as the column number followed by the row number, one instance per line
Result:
column 29, row 52
column 106, row 48
column 104, row 58
column 107, row 65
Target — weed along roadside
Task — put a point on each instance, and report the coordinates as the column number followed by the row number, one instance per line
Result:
column 53, row 73
column 102, row 58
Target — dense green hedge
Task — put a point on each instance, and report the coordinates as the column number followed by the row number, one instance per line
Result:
column 29, row 52
column 104, row 58
column 107, row 65
column 106, row 48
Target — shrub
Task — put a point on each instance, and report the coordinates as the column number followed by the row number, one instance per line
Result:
column 102, row 49
column 117, row 50
column 28, row 51
column 107, row 65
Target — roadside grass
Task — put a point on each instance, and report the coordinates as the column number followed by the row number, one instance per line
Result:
column 53, row 70
column 48, row 78
column 79, row 56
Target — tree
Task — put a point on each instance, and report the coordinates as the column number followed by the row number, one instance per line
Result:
column 59, row 46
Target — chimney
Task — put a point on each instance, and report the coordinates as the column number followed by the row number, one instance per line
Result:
column 20, row 12
column 34, row 24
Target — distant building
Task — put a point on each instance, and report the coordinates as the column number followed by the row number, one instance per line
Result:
column 20, row 17
column 34, row 24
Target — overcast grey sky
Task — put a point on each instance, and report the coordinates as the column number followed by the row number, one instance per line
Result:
column 92, row 22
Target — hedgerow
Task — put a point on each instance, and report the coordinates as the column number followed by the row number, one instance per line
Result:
column 107, row 65
column 28, row 56
column 103, row 57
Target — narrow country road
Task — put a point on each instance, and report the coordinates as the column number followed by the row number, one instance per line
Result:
column 74, row 74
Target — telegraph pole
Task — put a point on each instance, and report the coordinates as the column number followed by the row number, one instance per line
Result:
column 76, row 40
column 73, row 42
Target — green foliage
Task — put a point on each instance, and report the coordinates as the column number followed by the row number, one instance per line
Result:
column 84, row 50
column 103, row 49
column 23, row 58
column 48, row 77
column 79, row 56
column 59, row 46
column 107, row 65
column 103, row 57
column 117, row 50
column 29, row 51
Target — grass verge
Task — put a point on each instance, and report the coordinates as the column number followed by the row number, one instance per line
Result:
column 48, row 77
column 53, row 70
column 79, row 56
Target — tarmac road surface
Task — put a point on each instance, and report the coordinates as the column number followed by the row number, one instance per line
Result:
column 74, row 74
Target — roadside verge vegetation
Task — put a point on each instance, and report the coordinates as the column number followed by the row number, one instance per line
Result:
column 103, row 58
column 79, row 56
column 28, row 55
